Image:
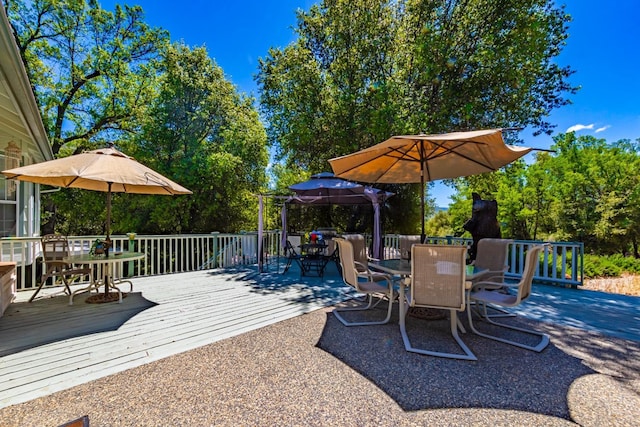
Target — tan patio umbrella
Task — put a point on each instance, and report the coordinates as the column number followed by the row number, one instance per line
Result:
column 422, row 158
column 106, row 170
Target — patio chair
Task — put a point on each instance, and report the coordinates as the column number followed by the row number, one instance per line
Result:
column 519, row 292
column 331, row 252
column 362, row 259
column 54, row 248
column 383, row 287
column 491, row 258
column 405, row 243
column 437, row 281
column 292, row 256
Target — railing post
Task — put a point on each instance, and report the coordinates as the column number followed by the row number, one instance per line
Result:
column 130, row 248
column 215, row 249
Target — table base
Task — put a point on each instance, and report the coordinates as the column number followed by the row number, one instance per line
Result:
column 313, row 264
column 100, row 298
column 427, row 313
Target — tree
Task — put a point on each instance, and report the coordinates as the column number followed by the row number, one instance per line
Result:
column 93, row 74
column 469, row 64
column 364, row 70
column 92, row 69
column 206, row 136
column 596, row 185
column 439, row 225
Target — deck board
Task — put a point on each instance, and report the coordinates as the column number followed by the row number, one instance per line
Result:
column 48, row 346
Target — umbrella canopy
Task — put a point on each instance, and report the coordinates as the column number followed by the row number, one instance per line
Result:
column 106, row 170
column 422, row 158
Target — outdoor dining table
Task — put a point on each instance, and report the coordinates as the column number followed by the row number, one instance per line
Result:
column 107, row 268
column 402, row 268
column 313, row 259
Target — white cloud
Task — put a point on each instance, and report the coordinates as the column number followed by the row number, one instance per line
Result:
column 578, row 127
column 603, row 128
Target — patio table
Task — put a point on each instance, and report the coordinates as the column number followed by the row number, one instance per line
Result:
column 402, row 267
column 107, row 263
column 313, row 259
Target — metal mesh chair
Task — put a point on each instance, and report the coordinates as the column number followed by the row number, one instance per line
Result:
column 362, row 259
column 292, row 256
column 491, row 259
column 381, row 288
column 519, row 293
column 437, row 281
column 405, row 243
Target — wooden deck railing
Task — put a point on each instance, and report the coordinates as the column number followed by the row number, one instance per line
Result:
column 562, row 262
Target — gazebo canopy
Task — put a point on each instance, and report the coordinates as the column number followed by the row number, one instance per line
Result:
column 325, row 189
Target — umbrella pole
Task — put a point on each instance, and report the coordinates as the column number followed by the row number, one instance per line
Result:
column 422, row 235
column 107, row 242
column 108, row 213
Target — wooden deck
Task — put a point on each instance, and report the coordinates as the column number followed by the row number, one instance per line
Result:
column 47, row 346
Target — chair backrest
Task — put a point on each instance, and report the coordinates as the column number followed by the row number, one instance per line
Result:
column 438, row 276
column 405, row 243
column 530, row 265
column 359, row 248
column 331, row 246
column 347, row 262
column 290, row 250
column 54, row 247
column 492, row 255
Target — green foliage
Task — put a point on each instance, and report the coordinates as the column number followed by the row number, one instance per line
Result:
column 439, row 225
column 205, row 136
column 586, row 191
column 363, row 70
column 107, row 76
column 92, row 69
column 94, row 76
column 599, row 266
column 625, row 263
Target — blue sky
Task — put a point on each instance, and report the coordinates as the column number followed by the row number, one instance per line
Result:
column 603, row 48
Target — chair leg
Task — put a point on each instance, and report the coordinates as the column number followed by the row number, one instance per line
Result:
column 453, row 321
column 43, row 281
column 119, row 282
column 66, row 284
column 286, row 267
column 37, row 290
column 369, row 305
column 544, row 338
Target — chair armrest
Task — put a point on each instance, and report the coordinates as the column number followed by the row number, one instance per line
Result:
column 55, row 262
column 487, row 284
column 489, row 276
column 360, row 267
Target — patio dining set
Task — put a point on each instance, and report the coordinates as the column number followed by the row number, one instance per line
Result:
column 437, row 277
column 313, row 256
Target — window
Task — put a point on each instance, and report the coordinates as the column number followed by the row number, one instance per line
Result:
column 9, row 191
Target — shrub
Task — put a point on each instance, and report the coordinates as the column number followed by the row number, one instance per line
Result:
column 602, row 266
column 627, row 264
